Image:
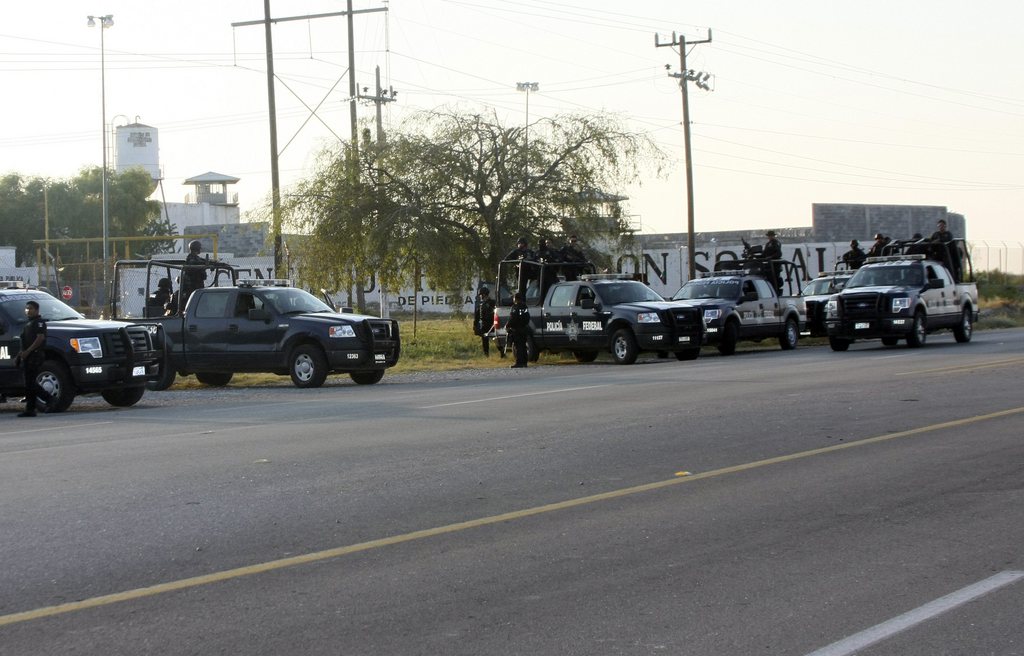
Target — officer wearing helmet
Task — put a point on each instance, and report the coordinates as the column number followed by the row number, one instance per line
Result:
column 193, row 275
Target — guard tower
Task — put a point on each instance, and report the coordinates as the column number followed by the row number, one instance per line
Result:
column 212, row 188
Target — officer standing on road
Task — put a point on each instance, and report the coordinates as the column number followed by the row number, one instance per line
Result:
column 484, row 319
column 30, row 358
column 518, row 328
column 194, row 275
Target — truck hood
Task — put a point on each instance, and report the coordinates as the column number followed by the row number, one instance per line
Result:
column 887, row 289
column 332, row 319
column 707, row 302
column 642, row 306
column 86, row 325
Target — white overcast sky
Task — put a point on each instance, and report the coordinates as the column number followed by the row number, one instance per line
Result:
column 906, row 101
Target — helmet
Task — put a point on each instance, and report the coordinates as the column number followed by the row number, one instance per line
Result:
column 195, row 246
column 163, row 283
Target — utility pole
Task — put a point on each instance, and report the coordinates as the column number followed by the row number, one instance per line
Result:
column 275, row 182
column 685, row 75
column 379, row 99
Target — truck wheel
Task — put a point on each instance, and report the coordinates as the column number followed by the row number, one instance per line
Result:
column 308, row 366
column 890, row 341
column 55, row 379
column 624, row 350
column 919, row 331
column 689, row 354
column 839, row 344
column 367, row 377
column 965, row 328
column 584, row 356
column 214, row 379
column 531, row 350
column 790, row 335
column 166, row 379
column 124, row 397
column 730, row 335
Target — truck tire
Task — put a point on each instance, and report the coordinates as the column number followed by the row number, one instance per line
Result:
column 688, row 354
column 965, row 329
column 730, row 335
column 531, row 349
column 124, row 397
column 214, row 379
column 918, row 334
column 584, row 356
column 55, row 378
column 624, row 349
column 890, row 341
column 367, row 377
column 839, row 344
column 790, row 335
column 166, row 379
column 307, row 366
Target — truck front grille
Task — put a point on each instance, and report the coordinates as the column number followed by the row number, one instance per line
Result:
column 856, row 306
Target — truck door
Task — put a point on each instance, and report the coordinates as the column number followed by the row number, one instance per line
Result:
column 749, row 310
column 10, row 346
column 557, row 315
column 250, row 341
column 206, row 331
column 588, row 323
column 943, row 303
column 769, row 308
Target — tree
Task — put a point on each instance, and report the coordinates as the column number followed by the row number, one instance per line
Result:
column 449, row 193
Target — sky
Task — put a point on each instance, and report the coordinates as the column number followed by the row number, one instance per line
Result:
column 909, row 102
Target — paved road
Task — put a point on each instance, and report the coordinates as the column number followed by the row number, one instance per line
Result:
column 770, row 502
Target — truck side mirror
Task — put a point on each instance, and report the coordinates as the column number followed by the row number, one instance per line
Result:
column 936, row 283
column 587, row 303
column 259, row 315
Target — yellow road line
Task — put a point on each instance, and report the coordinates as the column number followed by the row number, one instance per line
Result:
column 260, row 568
column 963, row 367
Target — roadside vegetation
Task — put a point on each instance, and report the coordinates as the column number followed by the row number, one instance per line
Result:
column 1001, row 296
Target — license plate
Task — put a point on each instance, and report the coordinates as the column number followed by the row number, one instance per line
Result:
column 685, row 340
column 380, row 357
column 138, row 371
column 861, row 325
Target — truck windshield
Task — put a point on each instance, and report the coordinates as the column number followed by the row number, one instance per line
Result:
column 887, row 276
column 294, row 301
column 49, row 308
column 708, row 288
column 626, row 291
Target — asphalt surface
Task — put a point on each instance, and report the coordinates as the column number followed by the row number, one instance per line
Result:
column 768, row 502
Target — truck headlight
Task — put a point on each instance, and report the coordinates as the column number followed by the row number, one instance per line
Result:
column 648, row 317
column 900, row 303
column 711, row 315
column 341, row 331
column 90, row 345
column 832, row 308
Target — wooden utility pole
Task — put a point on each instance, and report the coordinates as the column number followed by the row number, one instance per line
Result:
column 684, row 77
column 275, row 182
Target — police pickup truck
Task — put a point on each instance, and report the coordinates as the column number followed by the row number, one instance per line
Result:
column 902, row 296
column 598, row 313
column 262, row 326
column 740, row 301
column 816, row 295
column 82, row 356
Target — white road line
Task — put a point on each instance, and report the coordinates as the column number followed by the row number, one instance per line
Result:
column 513, row 396
column 50, row 428
column 907, row 620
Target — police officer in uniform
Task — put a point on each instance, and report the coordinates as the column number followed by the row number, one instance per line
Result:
column 484, row 319
column 30, row 358
column 518, row 328
column 193, row 276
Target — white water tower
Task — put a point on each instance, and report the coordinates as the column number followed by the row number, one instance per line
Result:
column 136, row 145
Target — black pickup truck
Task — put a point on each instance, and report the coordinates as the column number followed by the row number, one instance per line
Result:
column 740, row 301
column 258, row 326
column 83, row 356
column 598, row 313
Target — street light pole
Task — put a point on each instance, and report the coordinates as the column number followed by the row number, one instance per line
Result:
column 105, row 22
column 527, row 87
